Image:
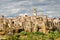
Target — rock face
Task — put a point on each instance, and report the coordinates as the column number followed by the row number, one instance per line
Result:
column 27, row 23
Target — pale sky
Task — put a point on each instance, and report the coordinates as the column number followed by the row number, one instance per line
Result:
column 12, row 8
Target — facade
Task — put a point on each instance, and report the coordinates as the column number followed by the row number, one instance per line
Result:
column 27, row 23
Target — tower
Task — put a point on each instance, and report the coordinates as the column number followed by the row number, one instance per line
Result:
column 35, row 12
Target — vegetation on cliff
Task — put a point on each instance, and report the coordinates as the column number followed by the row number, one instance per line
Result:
column 52, row 35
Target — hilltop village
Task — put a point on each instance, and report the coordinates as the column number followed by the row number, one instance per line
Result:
column 35, row 23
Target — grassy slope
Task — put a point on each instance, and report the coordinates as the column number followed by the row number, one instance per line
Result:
column 35, row 36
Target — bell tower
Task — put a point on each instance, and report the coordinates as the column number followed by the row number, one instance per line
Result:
column 35, row 12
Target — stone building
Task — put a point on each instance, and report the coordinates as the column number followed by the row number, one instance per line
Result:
column 3, row 22
column 56, row 22
column 35, row 23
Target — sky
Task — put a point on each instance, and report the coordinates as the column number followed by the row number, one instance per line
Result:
column 13, row 8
